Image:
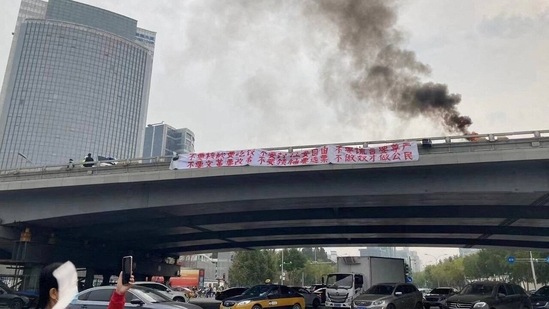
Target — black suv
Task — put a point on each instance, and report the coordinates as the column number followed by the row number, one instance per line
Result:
column 490, row 294
column 540, row 299
column 437, row 297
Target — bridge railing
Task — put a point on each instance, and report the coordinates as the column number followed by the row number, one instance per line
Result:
column 428, row 145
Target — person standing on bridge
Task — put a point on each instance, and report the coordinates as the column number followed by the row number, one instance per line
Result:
column 89, row 158
column 58, row 284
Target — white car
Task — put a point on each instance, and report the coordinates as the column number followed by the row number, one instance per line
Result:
column 175, row 295
column 312, row 300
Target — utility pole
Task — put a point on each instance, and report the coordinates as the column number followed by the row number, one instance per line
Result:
column 282, row 267
column 533, row 271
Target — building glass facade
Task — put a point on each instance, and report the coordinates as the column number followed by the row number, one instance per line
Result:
column 72, row 88
column 163, row 140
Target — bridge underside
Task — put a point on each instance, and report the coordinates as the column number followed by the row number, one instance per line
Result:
column 473, row 206
column 167, row 231
column 337, row 221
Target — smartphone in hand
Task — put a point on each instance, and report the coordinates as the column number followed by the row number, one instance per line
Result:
column 127, row 269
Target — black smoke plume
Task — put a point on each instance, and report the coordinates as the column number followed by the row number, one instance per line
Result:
column 383, row 73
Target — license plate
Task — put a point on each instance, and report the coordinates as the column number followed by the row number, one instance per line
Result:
column 337, row 305
column 360, row 307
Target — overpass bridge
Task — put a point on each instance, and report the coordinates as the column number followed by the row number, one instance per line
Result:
column 493, row 192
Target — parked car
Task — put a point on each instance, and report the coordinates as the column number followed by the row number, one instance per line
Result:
column 490, row 294
column 137, row 296
column 312, row 300
column 12, row 299
column 230, row 292
column 437, row 297
column 173, row 295
column 265, row 296
column 317, row 286
column 190, row 293
column 540, row 298
column 322, row 294
column 390, row 295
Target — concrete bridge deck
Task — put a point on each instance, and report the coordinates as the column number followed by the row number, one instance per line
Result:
column 494, row 192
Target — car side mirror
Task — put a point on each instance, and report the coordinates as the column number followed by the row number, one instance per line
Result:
column 398, row 293
column 137, row 301
column 501, row 295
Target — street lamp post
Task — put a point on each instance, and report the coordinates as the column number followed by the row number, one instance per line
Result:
column 436, row 257
column 282, row 271
column 282, row 275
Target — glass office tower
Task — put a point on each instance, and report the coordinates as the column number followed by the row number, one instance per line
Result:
column 77, row 81
column 163, row 140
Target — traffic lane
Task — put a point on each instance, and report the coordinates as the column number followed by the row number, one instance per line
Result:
column 211, row 303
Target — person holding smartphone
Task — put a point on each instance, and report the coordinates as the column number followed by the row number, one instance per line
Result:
column 118, row 298
column 58, row 284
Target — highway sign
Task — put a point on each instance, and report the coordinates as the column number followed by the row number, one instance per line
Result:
column 511, row 259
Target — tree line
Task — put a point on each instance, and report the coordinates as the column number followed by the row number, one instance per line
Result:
column 307, row 266
column 302, row 267
column 487, row 264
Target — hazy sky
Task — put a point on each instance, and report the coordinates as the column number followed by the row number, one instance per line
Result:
column 265, row 73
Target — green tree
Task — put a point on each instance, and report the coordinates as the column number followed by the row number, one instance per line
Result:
column 294, row 263
column 252, row 267
column 315, row 272
column 315, row 254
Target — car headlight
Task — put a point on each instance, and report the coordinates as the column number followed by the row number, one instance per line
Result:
column 480, row 304
column 378, row 302
column 544, row 304
column 244, row 302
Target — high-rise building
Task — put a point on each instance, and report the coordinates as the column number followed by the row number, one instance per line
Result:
column 467, row 251
column 378, row 251
column 77, row 81
column 216, row 266
column 163, row 140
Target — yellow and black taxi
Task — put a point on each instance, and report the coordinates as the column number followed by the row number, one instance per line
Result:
column 265, row 296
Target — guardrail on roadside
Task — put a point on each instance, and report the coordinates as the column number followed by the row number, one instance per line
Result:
column 161, row 163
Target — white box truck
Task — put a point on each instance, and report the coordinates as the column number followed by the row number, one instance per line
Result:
column 355, row 274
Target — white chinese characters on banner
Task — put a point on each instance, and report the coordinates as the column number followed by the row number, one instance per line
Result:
column 329, row 154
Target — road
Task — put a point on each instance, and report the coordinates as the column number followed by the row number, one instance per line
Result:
column 206, row 303
column 210, row 303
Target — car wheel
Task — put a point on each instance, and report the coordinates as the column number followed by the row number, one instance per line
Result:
column 16, row 304
column 391, row 306
column 296, row 306
column 180, row 299
column 316, row 304
column 426, row 306
column 256, row 306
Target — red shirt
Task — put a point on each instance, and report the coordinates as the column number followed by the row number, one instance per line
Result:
column 117, row 301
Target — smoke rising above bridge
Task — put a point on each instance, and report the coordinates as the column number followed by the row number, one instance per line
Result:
column 382, row 73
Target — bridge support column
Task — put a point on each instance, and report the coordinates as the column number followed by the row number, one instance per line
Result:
column 90, row 276
column 106, row 278
column 30, row 277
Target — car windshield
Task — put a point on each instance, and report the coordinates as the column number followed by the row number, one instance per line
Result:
column 441, row 291
column 477, row 289
column 543, row 291
column 150, row 295
column 381, row 289
column 339, row 281
column 258, row 290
